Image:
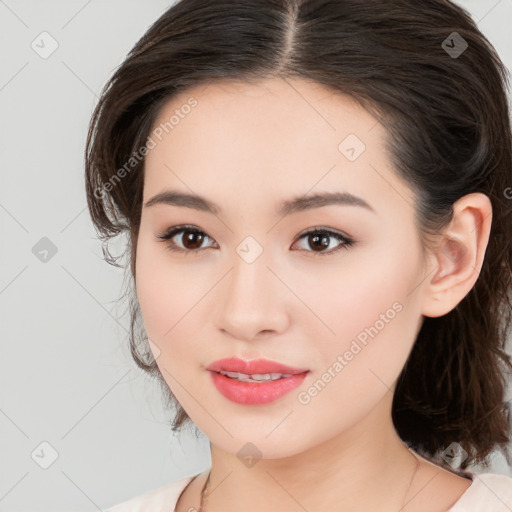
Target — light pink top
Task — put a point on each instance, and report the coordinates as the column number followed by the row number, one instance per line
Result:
column 489, row 492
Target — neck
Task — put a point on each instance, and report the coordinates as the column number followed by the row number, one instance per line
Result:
column 366, row 467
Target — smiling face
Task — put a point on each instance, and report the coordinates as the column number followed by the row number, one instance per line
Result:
column 255, row 283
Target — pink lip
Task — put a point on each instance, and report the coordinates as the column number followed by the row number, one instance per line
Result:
column 254, row 393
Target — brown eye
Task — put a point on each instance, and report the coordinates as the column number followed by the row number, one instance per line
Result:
column 191, row 239
column 319, row 239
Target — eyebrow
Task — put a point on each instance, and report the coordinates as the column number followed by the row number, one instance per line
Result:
column 296, row 204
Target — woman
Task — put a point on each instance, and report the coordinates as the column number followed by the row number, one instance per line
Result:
column 318, row 200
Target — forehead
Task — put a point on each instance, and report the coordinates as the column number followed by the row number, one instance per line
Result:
column 270, row 102
column 276, row 136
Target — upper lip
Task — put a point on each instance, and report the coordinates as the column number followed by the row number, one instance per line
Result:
column 256, row 366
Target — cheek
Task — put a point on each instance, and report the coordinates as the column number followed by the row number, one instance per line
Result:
column 170, row 294
column 374, row 311
column 350, row 293
column 160, row 289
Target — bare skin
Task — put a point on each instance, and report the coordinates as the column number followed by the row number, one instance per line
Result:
column 247, row 148
column 433, row 489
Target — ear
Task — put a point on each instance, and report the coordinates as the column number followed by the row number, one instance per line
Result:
column 459, row 255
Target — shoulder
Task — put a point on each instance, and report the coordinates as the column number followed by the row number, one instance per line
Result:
column 160, row 499
column 488, row 492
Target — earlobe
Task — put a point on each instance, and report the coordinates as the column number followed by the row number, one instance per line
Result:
column 459, row 255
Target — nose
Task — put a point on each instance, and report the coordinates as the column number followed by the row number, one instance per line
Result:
column 253, row 301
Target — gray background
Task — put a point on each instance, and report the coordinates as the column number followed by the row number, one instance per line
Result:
column 66, row 373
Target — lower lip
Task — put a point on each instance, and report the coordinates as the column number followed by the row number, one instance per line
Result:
column 255, row 393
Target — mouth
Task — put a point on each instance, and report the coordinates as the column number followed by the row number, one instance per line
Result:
column 254, row 382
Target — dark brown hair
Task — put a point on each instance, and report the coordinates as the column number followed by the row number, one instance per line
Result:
column 446, row 113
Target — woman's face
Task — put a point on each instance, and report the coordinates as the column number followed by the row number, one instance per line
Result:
column 253, row 284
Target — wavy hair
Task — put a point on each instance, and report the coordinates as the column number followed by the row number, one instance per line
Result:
column 427, row 73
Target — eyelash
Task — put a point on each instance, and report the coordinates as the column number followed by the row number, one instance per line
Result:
column 171, row 232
